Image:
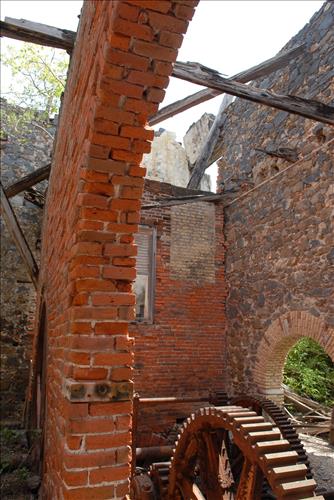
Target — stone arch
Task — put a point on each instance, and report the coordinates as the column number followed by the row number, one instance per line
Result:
column 281, row 335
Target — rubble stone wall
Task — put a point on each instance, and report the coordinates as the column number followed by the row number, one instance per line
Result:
column 25, row 146
column 279, row 236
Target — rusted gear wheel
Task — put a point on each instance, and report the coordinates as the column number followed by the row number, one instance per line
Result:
column 159, row 474
column 268, row 408
column 231, row 452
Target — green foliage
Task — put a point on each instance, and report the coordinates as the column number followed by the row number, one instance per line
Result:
column 8, row 436
column 23, row 473
column 310, row 372
column 38, row 76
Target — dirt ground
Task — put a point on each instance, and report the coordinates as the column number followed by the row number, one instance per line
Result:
column 15, row 466
column 18, row 481
column 321, row 456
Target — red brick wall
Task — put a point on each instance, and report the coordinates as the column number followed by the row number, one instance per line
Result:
column 120, row 66
column 182, row 352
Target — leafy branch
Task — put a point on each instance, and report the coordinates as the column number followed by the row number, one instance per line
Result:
column 38, row 76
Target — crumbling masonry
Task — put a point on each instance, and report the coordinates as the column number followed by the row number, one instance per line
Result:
column 261, row 254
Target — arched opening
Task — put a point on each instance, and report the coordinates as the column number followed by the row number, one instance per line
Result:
column 274, row 347
column 309, row 372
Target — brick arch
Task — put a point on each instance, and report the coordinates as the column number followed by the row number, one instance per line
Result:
column 281, row 335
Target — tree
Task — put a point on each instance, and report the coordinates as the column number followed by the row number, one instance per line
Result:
column 310, row 372
column 38, row 77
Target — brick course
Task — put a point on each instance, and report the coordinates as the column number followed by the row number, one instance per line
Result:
column 182, row 352
column 91, row 213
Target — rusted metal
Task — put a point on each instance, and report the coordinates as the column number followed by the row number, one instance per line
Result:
column 134, row 431
column 153, row 453
column 142, row 488
column 171, row 400
column 83, row 392
column 206, row 456
column 265, row 406
column 224, row 452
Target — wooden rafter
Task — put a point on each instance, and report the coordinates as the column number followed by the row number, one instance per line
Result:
column 18, row 236
column 42, row 34
column 258, row 71
column 205, row 154
column 308, row 108
column 28, row 181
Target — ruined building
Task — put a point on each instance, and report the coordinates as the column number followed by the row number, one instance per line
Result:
column 224, row 285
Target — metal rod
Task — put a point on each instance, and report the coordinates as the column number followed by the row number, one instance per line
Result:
column 173, row 400
column 153, row 453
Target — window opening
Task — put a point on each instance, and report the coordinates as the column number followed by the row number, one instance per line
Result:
column 145, row 240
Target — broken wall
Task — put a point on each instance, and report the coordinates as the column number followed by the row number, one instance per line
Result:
column 168, row 161
column 279, row 258
column 25, row 146
column 91, row 216
column 181, row 352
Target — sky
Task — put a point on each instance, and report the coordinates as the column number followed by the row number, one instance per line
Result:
column 226, row 35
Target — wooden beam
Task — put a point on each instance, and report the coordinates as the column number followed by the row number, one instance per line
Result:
column 42, row 34
column 18, row 236
column 258, row 71
column 308, row 108
column 331, row 429
column 28, row 181
column 183, row 200
column 205, row 154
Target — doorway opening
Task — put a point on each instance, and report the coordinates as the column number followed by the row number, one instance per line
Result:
column 309, row 372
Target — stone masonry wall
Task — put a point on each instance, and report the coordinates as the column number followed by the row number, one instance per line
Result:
column 120, row 66
column 25, row 146
column 279, row 259
column 182, row 351
column 250, row 126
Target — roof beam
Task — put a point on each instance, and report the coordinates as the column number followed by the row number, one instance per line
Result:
column 308, row 108
column 42, row 34
column 202, row 162
column 28, row 181
column 18, row 236
column 258, row 71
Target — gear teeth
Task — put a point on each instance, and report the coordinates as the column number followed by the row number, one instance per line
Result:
column 277, row 450
column 280, row 419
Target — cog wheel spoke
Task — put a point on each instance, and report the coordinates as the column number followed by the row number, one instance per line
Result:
column 231, row 453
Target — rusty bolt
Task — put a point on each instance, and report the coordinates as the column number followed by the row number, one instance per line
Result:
column 102, row 390
column 77, row 391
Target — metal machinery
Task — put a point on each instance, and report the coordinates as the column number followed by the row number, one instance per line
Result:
column 244, row 450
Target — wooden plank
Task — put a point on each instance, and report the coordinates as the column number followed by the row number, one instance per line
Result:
column 42, row 34
column 331, row 429
column 18, row 236
column 202, row 162
column 263, row 69
column 183, row 201
column 28, row 181
column 308, row 108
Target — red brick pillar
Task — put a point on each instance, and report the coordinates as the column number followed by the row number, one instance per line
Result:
column 121, row 64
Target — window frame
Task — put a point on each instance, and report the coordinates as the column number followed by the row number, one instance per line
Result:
column 152, row 232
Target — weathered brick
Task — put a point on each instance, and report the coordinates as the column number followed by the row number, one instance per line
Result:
column 154, row 51
column 90, row 373
column 162, row 22
column 107, row 474
column 92, row 214
column 113, row 299
column 137, row 133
